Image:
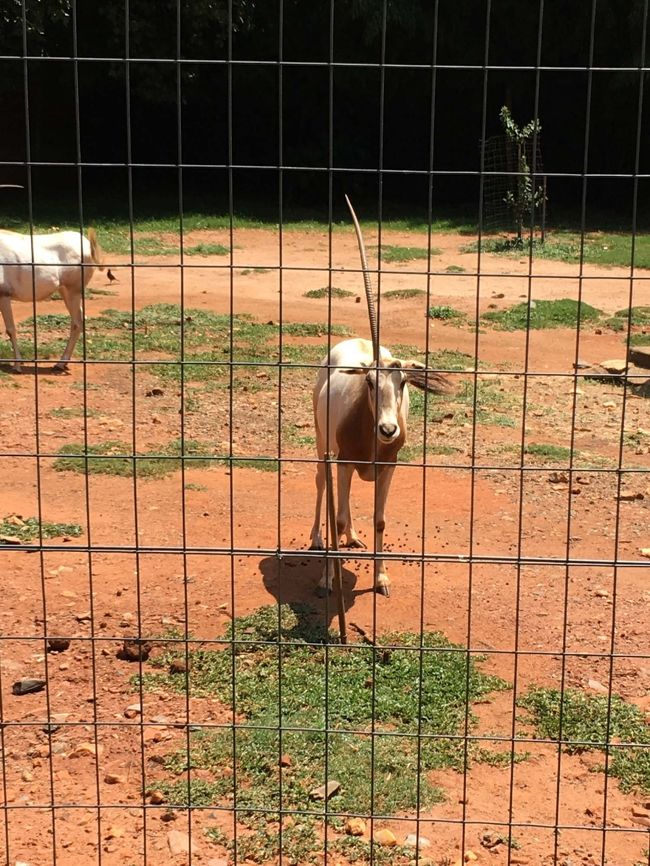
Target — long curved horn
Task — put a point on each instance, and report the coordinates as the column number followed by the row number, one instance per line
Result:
column 372, row 314
column 11, row 186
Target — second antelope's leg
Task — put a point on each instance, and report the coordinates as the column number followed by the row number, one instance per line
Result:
column 72, row 300
column 10, row 327
column 316, row 535
column 384, row 478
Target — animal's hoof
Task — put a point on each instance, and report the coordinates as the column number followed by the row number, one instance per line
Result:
column 356, row 543
column 61, row 369
column 322, row 591
column 317, row 546
column 16, row 370
column 383, row 589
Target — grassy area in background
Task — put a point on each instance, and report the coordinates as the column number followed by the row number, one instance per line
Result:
column 541, row 314
column 606, row 249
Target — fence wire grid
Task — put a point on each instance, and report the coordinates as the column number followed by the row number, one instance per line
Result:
column 173, row 687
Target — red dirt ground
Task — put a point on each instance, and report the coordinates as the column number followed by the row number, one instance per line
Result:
column 541, row 609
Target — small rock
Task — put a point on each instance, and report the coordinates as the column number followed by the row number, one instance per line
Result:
column 491, row 840
column 50, row 729
column 631, row 497
column 10, row 539
column 132, row 711
column 114, row 832
column 58, row 644
column 470, row 856
column 114, row 779
column 84, row 749
column 155, row 392
column 413, row 841
column 616, row 365
column 324, row 792
column 178, row 666
column 285, row 761
column 385, row 838
column 160, row 720
column 640, row 355
column 601, row 593
column 597, row 686
column 355, row 827
column 135, row 650
column 558, row 478
column 26, row 776
column 86, row 616
column 180, row 843
column 640, row 812
column 27, row 686
column 645, row 551
column 156, row 797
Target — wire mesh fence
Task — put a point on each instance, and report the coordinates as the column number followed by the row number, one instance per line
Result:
column 173, row 683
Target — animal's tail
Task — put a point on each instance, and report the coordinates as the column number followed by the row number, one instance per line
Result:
column 96, row 252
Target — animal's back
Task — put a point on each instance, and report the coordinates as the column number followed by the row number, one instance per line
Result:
column 38, row 264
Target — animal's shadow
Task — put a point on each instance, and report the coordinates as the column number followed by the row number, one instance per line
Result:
column 292, row 579
column 32, row 370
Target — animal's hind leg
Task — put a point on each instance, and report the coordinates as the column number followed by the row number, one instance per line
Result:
column 316, row 535
column 72, row 300
column 10, row 327
column 344, row 525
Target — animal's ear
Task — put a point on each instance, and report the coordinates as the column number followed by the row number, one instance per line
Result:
column 426, row 380
column 395, row 363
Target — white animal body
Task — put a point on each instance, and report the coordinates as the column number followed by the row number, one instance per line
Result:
column 34, row 267
column 361, row 418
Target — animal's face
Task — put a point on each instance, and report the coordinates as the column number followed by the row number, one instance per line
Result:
column 385, row 387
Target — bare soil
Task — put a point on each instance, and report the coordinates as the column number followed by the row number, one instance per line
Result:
column 160, row 556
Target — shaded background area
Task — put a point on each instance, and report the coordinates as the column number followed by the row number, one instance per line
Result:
column 307, row 117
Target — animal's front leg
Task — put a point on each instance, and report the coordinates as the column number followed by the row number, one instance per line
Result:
column 10, row 327
column 344, row 525
column 384, row 478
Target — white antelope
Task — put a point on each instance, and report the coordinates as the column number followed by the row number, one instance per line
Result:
column 361, row 406
column 33, row 267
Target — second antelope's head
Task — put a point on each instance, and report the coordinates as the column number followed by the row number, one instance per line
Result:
column 386, row 383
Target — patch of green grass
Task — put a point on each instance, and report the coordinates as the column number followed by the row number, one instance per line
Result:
column 543, row 314
column 424, row 685
column 546, row 452
column 390, row 253
column 295, row 436
column 207, row 249
column 445, row 313
column 455, row 269
column 262, row 464
column 402, row 294
column 27, row 528
column 248, row 271
column 591, row 722
column 74, row 412
column 314, row 329
column 198, row 488
column 111, row 458
column 640, row 339
column 409, row 453
column 631, row 316
column 326, row 291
